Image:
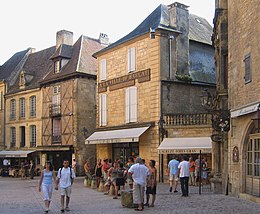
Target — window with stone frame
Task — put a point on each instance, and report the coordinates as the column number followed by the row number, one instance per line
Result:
column 131, row 104
column 248, row 68
column 22, row 108
column 253, row 157
column 13, row 109
column 131, row 59
column 33, row 136
column 33, row 106
column 12, row 137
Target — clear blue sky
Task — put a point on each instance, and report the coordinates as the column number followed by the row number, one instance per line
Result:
column 34, row 23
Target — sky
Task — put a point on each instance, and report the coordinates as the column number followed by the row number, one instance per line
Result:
column 34, row 23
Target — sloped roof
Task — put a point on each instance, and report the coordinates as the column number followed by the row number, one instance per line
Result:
column 9, row 66
column 158, row 19
column 63, row 51
column 38, row 64
column 81, row 60
column 200, row 30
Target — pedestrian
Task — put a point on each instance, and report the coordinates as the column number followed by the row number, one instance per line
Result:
column 87, row 170
column 105, row 169
column 192, row 172
column 139, row 173
column 112, row 173
column 65, row 178
column 98, row 171
column 75, row 166
column 198, row 165
column 120, row 180
column 22, row 171
column 31, row 169
column 173, row 173
column 184, row 174
column 129, row 178
column 151, row 183
column 46, row 184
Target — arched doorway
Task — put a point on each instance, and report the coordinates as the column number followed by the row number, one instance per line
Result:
column 252, row 162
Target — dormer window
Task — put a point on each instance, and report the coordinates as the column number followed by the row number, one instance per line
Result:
column 22, row 79
column 57, row 66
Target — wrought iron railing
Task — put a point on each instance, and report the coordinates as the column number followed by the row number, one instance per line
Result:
column 55, row 110
column 187, row 119
column 56, row 139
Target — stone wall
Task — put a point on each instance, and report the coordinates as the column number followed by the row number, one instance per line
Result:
column 2, row 87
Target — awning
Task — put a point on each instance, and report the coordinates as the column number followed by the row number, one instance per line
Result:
column 15, row 154
column 245, row 110
column 116, row 136
column 191, row 145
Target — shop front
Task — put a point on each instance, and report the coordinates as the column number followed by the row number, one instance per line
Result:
column 117, row 144
column 191, row 147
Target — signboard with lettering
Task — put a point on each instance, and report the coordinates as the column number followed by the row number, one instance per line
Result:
column 184, row 151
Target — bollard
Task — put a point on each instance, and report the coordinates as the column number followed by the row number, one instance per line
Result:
column 101, row 187
column 127, row 198
column 112, row 190
column 94, row 183
column 85, row 182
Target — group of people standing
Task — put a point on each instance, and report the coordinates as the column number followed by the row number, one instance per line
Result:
column 188, row 171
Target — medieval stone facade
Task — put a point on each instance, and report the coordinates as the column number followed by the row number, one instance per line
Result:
column 236, row 39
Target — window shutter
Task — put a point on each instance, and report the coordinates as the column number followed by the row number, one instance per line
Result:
column 129, row 59
column 127, row 105
column 248, row 73
column 133, row 104
column 132, row 59
column 103, row 110
column 103, row 69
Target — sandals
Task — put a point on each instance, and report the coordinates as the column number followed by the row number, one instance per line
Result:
column 137, row 209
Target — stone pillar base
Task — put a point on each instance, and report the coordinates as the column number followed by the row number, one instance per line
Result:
column 216, row 184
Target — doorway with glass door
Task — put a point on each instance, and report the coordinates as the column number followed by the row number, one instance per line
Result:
column 122, row 151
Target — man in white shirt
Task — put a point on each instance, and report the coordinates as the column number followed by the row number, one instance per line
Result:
column 139, row 173
column 65, row 178
column 184, row 174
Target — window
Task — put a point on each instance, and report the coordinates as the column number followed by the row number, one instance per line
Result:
column 12, row 109
column 22, row 108
column 1, row 101
column 56, row 130
column 253, row 157
column 22, row 79
column 33, row 135
column 131, row 59
column 33, row 106
column 13, row 137
column 57, row 66
column 56, row 104
column 131, row 104
column 248, row 69
column 103, row 69
column 22, row 136
column 103, row 110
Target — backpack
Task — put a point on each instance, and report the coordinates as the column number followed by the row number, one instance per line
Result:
column 70, row 173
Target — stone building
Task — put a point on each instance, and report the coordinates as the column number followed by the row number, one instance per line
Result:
column 236, row 41
column 149, row 83
column 50, row 101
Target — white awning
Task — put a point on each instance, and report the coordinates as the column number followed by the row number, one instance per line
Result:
column 245, row 110
column 15, row 154
column 116, row 136
column 191, row 145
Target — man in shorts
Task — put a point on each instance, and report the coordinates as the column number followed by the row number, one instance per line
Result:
column 65, row 178
column 173, row 173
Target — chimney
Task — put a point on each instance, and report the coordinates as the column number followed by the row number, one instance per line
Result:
column 103, row 39
column 179, row 18
column 64, row 37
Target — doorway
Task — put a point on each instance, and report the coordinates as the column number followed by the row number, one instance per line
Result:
column 122, row 151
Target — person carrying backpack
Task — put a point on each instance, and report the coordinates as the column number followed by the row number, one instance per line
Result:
column 65, row 178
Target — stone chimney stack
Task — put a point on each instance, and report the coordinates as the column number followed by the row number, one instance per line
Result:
column 179, row 18
column 103, row 39
column 64, row 37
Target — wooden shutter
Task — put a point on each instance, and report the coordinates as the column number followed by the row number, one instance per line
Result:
column 131, row 59
column 127, row 105
column 103, row 69
column 133, row 104
column 103, row 110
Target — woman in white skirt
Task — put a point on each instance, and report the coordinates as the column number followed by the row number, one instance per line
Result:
column 46, row 184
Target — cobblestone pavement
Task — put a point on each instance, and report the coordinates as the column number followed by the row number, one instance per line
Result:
column 22, row 196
